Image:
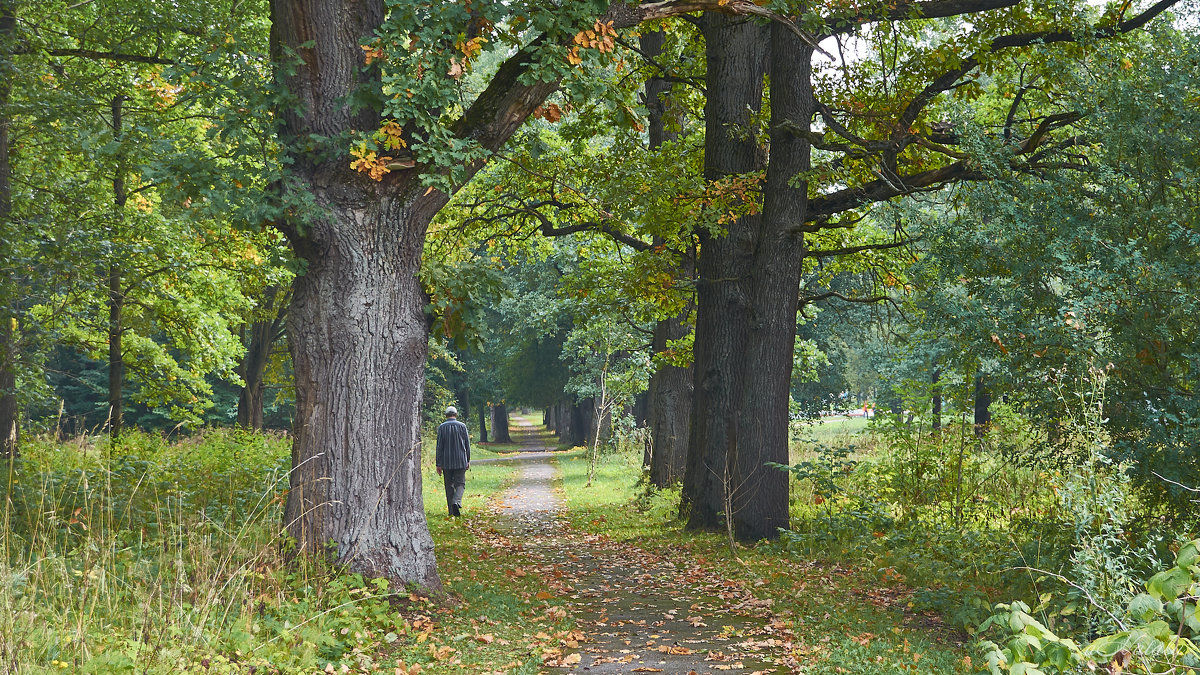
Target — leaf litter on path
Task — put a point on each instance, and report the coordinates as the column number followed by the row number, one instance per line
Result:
column 637, row 611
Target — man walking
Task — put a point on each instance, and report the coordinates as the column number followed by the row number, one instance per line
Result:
column 453, row 458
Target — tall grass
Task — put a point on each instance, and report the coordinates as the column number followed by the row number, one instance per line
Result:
column 155, row 556
column 941, row 511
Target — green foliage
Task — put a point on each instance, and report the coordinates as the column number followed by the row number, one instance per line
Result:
column 1032, row 648
column 1110, row 277
column 153, row 201
column 150, row 556
column 826, row 473
column 1154, row 633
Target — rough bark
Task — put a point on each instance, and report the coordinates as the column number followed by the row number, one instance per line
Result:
column 500, row 424
column 483, row 430
column 669, row 396
column 357, row 330
column 760, row 493
column 736, row 55
column 261, row 337
column 358, row 341
column 983, row 403
column 116, row 296
column 8, row 352
column 357, row 327
column 670, row 411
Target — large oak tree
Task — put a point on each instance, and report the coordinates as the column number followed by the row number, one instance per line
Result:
column 882, row 134
column 390, row 78
column 388, row 84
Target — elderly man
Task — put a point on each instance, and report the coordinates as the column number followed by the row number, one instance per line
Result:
column 453, row 458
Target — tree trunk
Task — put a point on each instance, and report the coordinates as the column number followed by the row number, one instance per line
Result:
column 983, row 402
column 116, row 296
column 669, row 396
column 585, row 412
column 602, row 422
column 462, row 396
column 358, row 337
column 760, row 493
column 357, row 328
column 640, row 410
column 483, row 430
column 570, row 423
column 552, row 417
column 262, row 336
column 736, row 53
column 573, row 422
column 357, row 322
column 500, row 424
column 9, row 418
column 562, row 420
column 937, row 397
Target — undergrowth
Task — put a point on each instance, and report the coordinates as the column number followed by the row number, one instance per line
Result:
column 849, row 623
column 151, row 556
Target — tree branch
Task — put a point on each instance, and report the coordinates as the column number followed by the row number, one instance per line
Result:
column 849, row 250
column 904, row 11
column 663, row 74
column 549, row 230
column 506, row 103
column 834, row 294
column 880, row 190
column 625, row 16
column 95, row 55
column 887, row 187
column 947, row 79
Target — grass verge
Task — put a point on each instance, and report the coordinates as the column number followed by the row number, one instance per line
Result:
column 157, row 557
column 849, row 622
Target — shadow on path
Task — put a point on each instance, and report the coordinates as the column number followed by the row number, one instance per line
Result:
column 637, row 611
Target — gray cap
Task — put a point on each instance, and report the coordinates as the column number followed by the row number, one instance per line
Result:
column 451, row 411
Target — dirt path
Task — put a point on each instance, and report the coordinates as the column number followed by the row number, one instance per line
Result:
column 638, row 612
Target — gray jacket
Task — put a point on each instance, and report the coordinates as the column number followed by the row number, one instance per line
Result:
column 453, row 445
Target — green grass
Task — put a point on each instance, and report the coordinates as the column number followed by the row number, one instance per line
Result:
column 163, row 557
column 941, row 513
column 828, row 605
column 157, row 557
column 837, row 431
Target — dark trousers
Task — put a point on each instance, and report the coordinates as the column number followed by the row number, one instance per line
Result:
column 456, row 482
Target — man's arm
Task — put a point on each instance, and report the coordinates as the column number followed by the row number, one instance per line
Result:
column 467, row 440
column 437, row 451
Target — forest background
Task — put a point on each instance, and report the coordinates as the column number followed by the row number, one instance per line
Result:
column 685, row 230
